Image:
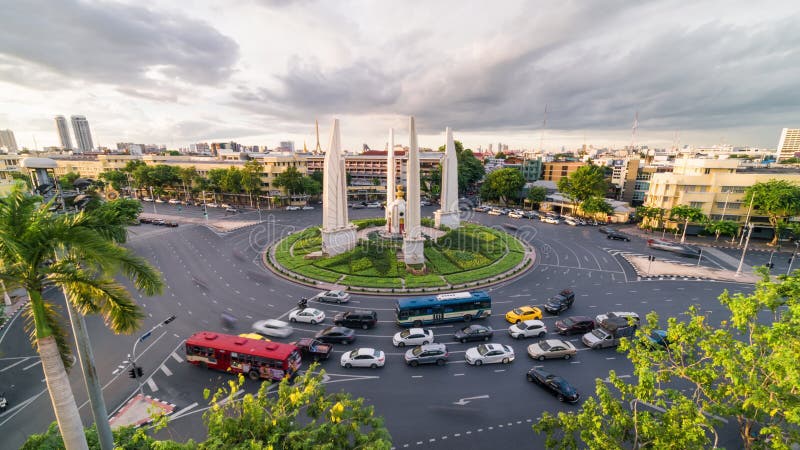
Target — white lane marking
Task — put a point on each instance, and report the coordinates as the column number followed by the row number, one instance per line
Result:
column 152, row 385
column 34, row 364
column 166, row 371
column 176, row 357
column 16, row 363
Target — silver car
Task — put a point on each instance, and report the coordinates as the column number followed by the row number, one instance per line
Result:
column 427, row 354
column 333, row 297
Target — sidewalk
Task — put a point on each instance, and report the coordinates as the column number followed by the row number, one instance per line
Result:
column 138, row 410
column 9, row 311
column 222, row 225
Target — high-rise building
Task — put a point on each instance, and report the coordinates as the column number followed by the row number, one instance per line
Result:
column 289, row 145
column 83, row 136
column 63, row 132
column 8, row 141
column 789, row 144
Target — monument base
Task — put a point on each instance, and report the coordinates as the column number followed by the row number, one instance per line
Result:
column 414, row 251
column 451, row 220
column 338, row 241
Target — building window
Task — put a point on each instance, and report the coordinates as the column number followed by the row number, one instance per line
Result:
column 731, row 205
column 696, row 204
column 733, row 189
column 707, row 171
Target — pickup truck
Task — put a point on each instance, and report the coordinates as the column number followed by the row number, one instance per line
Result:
column 608, row 333
column 314, row 348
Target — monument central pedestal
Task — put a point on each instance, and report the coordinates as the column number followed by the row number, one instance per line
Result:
column 414, row 250
column 339, row 241
column 448, row 219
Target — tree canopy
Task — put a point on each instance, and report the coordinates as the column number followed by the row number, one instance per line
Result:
column 537, row 194
column 586, row 182
column 503, row 185
column 742, row 367
column 596, row 205
column 778, row 199
column 470, row 170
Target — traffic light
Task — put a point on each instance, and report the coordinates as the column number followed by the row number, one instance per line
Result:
column 132, row 373
column 139, row 372
column 651, row 258
column 770, row 265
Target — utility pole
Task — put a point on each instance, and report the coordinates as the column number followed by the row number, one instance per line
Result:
column 791, row 258
column 136, row 372
column 744, row 250
column 747, row 220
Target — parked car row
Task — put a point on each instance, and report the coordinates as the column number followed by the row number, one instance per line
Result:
column 299, row 208
column 160, row 222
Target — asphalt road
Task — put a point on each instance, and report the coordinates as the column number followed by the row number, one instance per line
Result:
column 436, row 407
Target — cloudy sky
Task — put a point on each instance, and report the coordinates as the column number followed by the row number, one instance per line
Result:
column 699, row 73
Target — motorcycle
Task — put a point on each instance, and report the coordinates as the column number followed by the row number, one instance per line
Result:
column 303, row 303
column 3, row 401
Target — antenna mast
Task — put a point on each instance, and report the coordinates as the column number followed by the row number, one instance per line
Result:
column 544, row 125
column 634, row 130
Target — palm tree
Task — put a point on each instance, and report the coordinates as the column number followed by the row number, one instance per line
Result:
column 78, row 253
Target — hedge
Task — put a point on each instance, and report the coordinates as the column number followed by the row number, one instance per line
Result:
column 504, row 265
column 424, row 281
column 382, row 282
column 317, row 273
column 440, row 262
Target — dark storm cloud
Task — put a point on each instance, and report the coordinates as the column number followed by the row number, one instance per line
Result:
column 595, row 70
column 114, row 43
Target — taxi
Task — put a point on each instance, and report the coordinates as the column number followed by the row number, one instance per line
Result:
column 255, row 336
column 523, row 313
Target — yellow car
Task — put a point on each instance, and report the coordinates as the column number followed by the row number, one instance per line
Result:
column 255, row 336
column 523, row 313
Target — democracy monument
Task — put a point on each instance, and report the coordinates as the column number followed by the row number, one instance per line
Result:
column 401, row 252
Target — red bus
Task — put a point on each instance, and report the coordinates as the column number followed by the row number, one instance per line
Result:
column 255, row 358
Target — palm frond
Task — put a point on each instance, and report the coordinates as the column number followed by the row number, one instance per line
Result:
column 104, row 296
column 52, row 316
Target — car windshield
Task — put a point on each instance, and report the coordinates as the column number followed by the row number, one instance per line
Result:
column 405, row 333
column 568, row 321
column 518, row 311
column 544, row 345
column 416, row 351
column 599, row 333
column 563, row 386
column 482, row 349
column 353, row 354
column 467, row 330
column 557, row 299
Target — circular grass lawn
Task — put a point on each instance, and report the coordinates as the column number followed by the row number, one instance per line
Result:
column 467, row 257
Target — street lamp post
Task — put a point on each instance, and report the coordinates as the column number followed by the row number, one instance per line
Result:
column 136, row 371
column 747, row 219
column 744, row 250
column 791, row 258
column 205, row 209
column 154, row 201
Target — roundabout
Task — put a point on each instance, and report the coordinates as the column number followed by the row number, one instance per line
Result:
column 469, row 257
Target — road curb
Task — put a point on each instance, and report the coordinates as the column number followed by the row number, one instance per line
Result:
column 138, row 406
column 20, row 305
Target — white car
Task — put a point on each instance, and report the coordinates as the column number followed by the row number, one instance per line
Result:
column 515, row 215
column 272, row 327
column 489, row 354
column 307, row 315
column 363, row 357
column 495, row 212
column 307, row 208
column 571, row 222
column 147, row 199
column 528, row 328
column 552, row 220
column 212, row 205
column 413, row 336
column 174, row 201
column 624, row 314
column 158, row 200
column 374, row 205
column 292, row 208
column 225, row 205
column 333, row 297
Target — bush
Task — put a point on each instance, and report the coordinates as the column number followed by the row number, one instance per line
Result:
column 389, row 282
column 439, row 262
column 415, row 281
column 318, row 273
column 466, row 260
column 367, row 223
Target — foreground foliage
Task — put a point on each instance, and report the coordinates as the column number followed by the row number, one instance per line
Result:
column 742, row 370
column 294, row 416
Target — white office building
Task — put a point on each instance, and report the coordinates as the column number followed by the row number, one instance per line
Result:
column 7, row 141
column 63, row 132
column 789, row 144
column 83, row 136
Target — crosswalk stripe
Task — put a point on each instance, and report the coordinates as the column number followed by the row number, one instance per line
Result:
column 176, row 357
column 152, row 385
column 166, row 371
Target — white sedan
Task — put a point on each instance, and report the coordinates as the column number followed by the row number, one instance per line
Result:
column 307, row 315
column 212, row 205
column 307, row 208
column 489, row 354
column 272, row 327
column 528, row 328
column 292, row 208
column 413, row 336
column 147, row 199
column 174, row 201
column 363, row 357
column 336, row 296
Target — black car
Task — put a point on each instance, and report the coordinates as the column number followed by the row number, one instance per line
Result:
column 356, row 319
column 616, row 235
column 560, row 302
column 605, row 229
column 554, row 384
column 474, row 333
column 336, row 335
column 575, row 325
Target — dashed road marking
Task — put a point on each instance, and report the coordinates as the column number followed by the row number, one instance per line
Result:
column 176, row 357
column 152, row 385
column 166, row 371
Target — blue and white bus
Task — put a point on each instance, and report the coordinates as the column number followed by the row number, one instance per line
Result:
column 440, row 308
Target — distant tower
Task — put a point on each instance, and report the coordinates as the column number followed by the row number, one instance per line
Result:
column 83, row 136
column 8, row 141
column 63, row 132
column 318, row 148
column 544, row 126
column 634, row 130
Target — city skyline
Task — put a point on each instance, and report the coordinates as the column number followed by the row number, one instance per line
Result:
column 177, row 76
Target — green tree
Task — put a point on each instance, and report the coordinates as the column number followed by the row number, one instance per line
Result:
column 311, row 186
column 500, row 155
column 536, row 195
column 87, row 258
column 67, row 179
column 122, row 211
column 586, row 182
column 647, row 214
column 596, row 205
column 744, row 366
column 231, row 182
column 686, row 214
column 470, row 170
column 291, row 180
column 125, row 438
column 116, row 178
column 503, row 184
column 317, row 176
column 301, row 416
column 22, row 178
column 720, row 227
column 778, row 199
column 251, row 179
column 188, row 176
